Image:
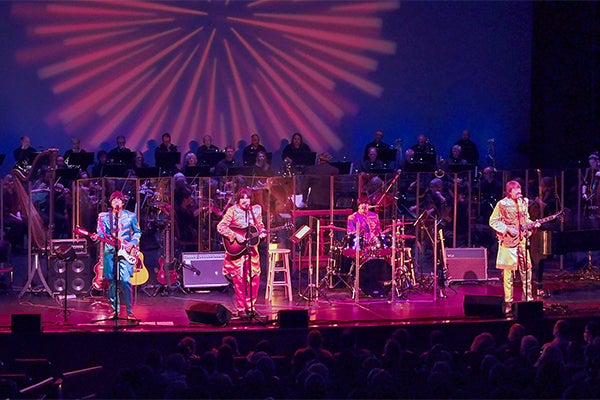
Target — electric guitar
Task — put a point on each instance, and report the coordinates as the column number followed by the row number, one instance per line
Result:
column 130, row 256
column 235, row 248
column 98, row 283
column 509, row 240
column 167, row 274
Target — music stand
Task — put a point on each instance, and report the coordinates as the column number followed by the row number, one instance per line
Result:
column 2, row 157
column 115, row 170
column 68, row 174
column 124, row 157
column 67, row 254
column 211, row 159
column 388, row 156
column 83, row 159
column 456, row 168
column 345, row 167
column 167, row 160
column 243, row 171
column 146, row 172
column 197, row 170
column 308, row 158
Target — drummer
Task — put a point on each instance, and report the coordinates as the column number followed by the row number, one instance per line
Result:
column 366, row 222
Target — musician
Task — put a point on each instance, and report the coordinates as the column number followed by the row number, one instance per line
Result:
column 590, row 190
column 377, row 143
column 510, row 219
column 75, row 148
column 544, row 205
column 468, row 147
column 228, row 162
column 243, row 269
column 317, row 182
column 122, row 225
column 120, row 154
column 167, row 167
column 24, row 153
column 372, row 162
column 249, row 153
column 424, row 153
column 98, row 169
column 295, row 152
column 364, row 223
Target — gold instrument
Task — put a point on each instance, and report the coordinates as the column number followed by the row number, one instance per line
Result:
column 444, row 278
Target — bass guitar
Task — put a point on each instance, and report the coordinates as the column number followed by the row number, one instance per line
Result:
column 509, row 240
column 167, row 274
column 235, row 248
column 130, row 256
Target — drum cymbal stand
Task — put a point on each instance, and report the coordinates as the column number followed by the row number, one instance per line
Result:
column 312, row 291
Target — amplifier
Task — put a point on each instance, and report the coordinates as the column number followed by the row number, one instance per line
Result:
column 203, row 270
column 79, row 245
column 467, row 264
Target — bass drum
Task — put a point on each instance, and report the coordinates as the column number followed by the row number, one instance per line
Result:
column 375, row 277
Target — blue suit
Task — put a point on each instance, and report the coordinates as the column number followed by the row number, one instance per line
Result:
column 128, row 230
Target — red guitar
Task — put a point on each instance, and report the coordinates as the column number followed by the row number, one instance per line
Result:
column 98, row 283
column 169, row 277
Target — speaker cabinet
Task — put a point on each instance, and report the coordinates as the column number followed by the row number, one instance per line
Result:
column 484, row 306
column 528, row 310
column 208, row 313
column 26, row 323
column 78, row 275
column 203, row 270
column 467, row 264
column 293, row 318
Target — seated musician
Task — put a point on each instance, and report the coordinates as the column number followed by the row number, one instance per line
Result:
column 364, row 224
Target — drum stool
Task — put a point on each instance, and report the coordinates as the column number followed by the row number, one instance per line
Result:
column 276, row 255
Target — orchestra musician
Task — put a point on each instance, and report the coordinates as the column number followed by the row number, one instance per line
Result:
column 510, row 219
column 243, row 268
column 590, row 190
column 120, row 225
column 24, row 153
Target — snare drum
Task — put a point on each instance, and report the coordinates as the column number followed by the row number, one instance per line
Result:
column 353, row 243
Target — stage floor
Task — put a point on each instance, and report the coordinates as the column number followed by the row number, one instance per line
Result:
column 161, row 309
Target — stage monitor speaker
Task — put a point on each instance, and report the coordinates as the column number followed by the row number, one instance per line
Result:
column 78, row 275
column 26, row 323
column 528, row 310
column 293, row 318
column 208, row 313
column 467, row 264
column 484, row 306
column 203, row 270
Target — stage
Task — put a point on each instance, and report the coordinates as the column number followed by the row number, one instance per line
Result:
column 75, row 334
column 159, row 308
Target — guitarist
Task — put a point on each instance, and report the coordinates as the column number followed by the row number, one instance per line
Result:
column 510, row 220
column 123, row 226
column 244, row 268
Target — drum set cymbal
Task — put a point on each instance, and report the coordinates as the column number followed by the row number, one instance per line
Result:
column 333, row 228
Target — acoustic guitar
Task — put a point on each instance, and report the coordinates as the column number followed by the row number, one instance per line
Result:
column 252, row 237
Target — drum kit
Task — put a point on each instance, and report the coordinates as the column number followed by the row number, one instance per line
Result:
column 377, row 260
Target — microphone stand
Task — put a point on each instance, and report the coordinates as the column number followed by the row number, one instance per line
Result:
column 114, row 222
column 247, row 272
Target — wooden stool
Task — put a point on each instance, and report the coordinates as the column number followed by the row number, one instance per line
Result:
column 276, row 255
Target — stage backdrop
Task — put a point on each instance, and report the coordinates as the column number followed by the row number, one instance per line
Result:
column 334, row 71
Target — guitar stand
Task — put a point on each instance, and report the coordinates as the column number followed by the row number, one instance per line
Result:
column 590, row 271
